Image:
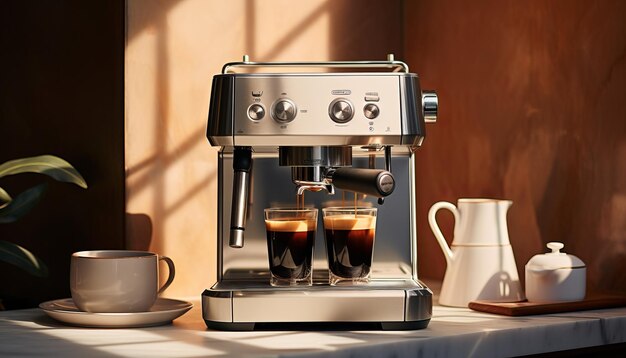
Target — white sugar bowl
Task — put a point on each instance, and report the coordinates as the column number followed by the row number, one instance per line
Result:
column 555, row 276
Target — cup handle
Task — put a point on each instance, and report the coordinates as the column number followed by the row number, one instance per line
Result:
column 172, row 272
column 432, row 220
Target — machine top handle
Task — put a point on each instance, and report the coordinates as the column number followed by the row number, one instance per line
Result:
column 391, row 63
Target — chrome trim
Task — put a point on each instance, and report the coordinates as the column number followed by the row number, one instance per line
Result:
column 217, row 306
column 371, row 111
column 256, row 112
column 312, row 96
column 388, row 158
column 289, row 114
column 242, row 167
column 313, row 186
column 220, row 214
column 430, row 106
column 413, row 129
column 391, row 63
column 341, row 110
column 419, row 304
column 241, row 183
column 400, row 121
column 318, row 306
column 315, row 156
column 413, row 212
column 273, row 141
column 412, row 303
column 308, row 175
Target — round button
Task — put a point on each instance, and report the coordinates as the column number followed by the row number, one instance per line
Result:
column 341, row 110
column 256, row 112
column 371, row 111
column 284, row 111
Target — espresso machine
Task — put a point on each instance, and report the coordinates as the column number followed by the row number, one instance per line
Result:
column 331, row 131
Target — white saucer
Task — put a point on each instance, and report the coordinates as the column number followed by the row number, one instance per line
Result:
column 164, row 311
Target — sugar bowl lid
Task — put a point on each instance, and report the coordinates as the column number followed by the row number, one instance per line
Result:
column 555, row 260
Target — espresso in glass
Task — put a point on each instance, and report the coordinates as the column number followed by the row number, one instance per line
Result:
column 290, row 241
column 349, row 233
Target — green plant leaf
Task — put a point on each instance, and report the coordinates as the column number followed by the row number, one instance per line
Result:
column 49, row 165
column 22, row 258
column 22, row 204
column 4, row 197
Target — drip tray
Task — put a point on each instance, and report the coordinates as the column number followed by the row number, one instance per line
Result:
column 248, row 302
column 383, row 275
column 263, row 284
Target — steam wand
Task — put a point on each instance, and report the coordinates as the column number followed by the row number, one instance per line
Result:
column 242, row 165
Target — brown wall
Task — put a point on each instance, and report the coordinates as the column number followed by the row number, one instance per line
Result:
column 533, row 109
column 62, row 93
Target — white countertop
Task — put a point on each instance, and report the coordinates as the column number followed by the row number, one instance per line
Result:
column 452, row 332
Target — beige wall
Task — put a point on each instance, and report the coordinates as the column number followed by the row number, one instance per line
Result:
column 173, row 48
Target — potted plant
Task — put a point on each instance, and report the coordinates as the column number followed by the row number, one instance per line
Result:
column 13, row 208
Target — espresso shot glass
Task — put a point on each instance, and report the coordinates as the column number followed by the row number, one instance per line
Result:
column 349, row 234
column 290, row 242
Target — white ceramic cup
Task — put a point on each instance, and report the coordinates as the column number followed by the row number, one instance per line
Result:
column 117, row 280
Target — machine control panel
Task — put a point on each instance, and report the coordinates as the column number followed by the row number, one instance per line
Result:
column 305, row 107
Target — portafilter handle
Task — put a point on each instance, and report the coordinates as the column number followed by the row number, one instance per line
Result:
column 375, row 182
column 242, row 165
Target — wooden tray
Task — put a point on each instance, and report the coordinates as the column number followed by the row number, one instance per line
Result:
column 525, row 308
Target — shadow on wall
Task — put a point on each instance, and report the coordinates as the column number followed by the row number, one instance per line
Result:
column 159, row 155
column 139, row 227
column 501, row 287
column 170, row 166
column 553, row 137
column 612, row 228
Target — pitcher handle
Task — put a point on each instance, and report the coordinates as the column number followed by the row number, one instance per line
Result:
column 171, row 273
column 432, row 220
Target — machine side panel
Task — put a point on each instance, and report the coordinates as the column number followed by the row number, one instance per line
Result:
column 413, row 128
column 220, row 121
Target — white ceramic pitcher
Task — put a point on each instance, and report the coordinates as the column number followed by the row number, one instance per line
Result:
column 480, row 263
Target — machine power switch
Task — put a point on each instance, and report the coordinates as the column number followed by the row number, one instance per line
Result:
column 371, row 111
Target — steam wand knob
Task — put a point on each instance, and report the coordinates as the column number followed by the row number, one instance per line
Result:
column 374, row 182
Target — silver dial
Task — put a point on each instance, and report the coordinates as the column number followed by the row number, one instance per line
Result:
column 371, row 111
column 284, row 111
column 256, row 112
column 430, row 106
column 341, row 110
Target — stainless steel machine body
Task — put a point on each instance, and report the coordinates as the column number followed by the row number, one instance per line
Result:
column 320, row 134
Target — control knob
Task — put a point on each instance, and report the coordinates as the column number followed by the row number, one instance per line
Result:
column 256, row 112
column 371, row 111
column 430, row 106
column 341, row 110
column 284, row 111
